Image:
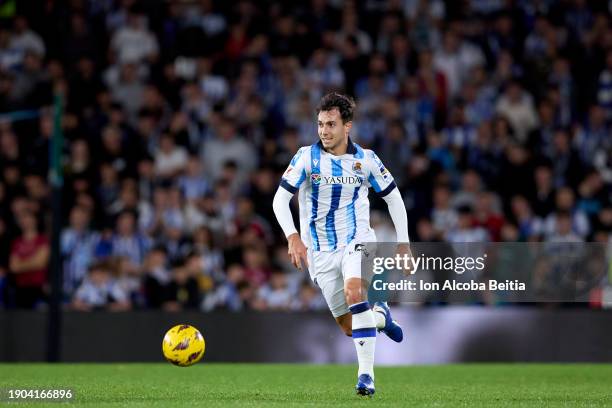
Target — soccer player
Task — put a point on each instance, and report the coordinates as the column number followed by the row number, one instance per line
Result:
column 333, row 177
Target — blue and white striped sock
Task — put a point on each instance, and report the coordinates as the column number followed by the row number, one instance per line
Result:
column 364, row 336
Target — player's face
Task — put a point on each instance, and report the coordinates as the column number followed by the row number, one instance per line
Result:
column 332, row 131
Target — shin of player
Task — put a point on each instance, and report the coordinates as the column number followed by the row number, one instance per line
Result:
column 363, row 325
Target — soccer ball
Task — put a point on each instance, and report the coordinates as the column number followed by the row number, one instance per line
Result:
column 183, row 345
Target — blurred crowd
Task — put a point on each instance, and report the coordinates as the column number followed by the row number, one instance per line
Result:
column 494, row 116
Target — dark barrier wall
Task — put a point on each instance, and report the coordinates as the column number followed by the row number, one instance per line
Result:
column 440, row 335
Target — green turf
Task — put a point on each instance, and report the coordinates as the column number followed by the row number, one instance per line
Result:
column 248, row 385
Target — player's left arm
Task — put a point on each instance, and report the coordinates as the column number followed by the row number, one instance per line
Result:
column 384, row 186
column 397, row 211
column 381, row 180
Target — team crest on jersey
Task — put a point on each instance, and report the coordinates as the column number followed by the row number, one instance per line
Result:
column 315, row 178
column 357, row 167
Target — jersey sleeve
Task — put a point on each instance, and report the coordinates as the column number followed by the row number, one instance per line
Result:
column 379, row 178
column 295, row 174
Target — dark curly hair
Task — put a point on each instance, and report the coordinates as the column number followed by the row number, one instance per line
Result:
column 344, row 103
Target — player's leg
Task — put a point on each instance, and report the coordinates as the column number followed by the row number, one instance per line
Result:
column 346, row 323
column 363, row 320
column 346, row 320
column 382, row 313
column 385, row 322
column 325, row 272
column 363, row 327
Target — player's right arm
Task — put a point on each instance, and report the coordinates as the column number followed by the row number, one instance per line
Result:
column 293, row 177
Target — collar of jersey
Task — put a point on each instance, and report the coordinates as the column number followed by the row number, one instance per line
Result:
column 351, row 149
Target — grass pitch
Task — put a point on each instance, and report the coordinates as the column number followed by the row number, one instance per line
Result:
column 258, row 385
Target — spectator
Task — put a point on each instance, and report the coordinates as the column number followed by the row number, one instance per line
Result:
column 541, row 138
column 275, row 293
column 170, row 160
column 9, row 147
column 5, row 247
column 567, row 168
column 516, row 105
column 565, row 203
column 193, row 183
column 126, row 83
column 528, row 224
column 227, row 145
column 308, row 299
column 484, row 154
column 465, row 231
column 455, row 59
column 542, row 195
column 204, row 248
column 459, row 133
column 205, row 212
column 604, row 86
column 256, row 270
column 78, row 244
column 594, row 136
column 603, row 161
column 25, row 39
column 31, row 85
column 127, row 241
column 29, row 259
column 173, row 215
column 100, row 291
column 228, row 294
column 591, row 195
column 323, row 73
column 487, row 214
column 133, row 41
column 182, row 290
column 108, row 191
column 203, row 15
column 129, row 278
column 444, row 217
column 350, row 28
column 563, row 229
column 471, row 187
column 156, row 276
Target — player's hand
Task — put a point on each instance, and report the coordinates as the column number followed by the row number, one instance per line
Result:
column 404, row 249
column 297, row 251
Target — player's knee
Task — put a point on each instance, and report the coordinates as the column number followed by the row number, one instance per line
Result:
column 347, row 329
column 353, row 297
column 353, row 292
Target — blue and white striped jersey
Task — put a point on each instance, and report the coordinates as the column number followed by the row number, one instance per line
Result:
column 334, row 206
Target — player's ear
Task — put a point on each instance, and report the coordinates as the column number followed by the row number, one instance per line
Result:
column 348, row 126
